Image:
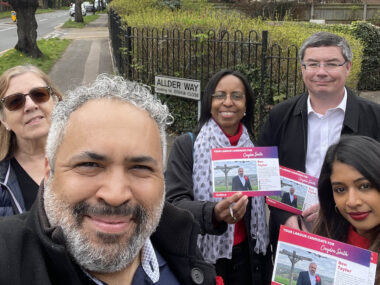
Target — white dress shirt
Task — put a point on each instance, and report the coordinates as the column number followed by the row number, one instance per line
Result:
column 242, row 180
column 322, row 132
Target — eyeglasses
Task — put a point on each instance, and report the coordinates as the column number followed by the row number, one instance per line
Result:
column 328, row 66
column 16, row 101
column 221, row 96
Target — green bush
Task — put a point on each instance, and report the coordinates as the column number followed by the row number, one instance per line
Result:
column 370, row 71
column 199, row 17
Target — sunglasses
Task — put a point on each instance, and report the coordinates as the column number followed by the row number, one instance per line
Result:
column 16, row 101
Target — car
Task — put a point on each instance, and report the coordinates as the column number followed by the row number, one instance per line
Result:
column 72, row 10
column 89, row 7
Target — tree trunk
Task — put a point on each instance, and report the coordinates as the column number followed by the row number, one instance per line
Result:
column 45, row 4
column 78, row 11
column 26, row 26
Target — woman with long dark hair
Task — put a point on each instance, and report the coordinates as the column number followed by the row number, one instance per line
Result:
column 349, row 193
column 234, row 230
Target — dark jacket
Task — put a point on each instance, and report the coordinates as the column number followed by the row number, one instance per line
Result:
column 304, row 279
column 238, row 186
column 32, row 252
column 179, row 191
column 11, row 200
column 286, row 128
column 286, row 199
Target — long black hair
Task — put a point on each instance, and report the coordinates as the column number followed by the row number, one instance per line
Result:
column 362, row 153
column 206, row 100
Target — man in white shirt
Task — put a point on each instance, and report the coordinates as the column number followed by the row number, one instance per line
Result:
column 241, row 182
column 309, row 277
column 303, row 127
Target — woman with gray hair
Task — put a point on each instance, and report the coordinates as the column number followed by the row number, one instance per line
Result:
column 27, row 99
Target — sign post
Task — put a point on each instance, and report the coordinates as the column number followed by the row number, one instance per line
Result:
column 181, row 87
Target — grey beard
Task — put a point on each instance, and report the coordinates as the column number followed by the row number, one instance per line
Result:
column 113, row 253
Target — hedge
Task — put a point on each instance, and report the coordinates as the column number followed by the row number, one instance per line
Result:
column 200, row 17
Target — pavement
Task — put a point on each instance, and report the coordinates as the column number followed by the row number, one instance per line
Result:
column 87, row 56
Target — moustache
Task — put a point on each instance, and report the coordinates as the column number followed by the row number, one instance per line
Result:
column 136, row 212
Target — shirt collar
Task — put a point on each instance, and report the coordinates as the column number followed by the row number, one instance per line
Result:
column 342, row 105
column 149, row 264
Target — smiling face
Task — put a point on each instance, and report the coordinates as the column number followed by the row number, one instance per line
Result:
column 320, row 82
column 356, row 199
column 32, row 121
column 228, row 113
column 107, row 188
column 312, row 268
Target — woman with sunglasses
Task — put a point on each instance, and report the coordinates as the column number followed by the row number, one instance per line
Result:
column 234, row 231
column 349, row 194
column 27, row 99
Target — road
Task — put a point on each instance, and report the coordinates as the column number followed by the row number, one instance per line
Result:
column 46, row 24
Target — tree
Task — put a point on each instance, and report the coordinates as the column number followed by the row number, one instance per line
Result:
column 26, row 26
column 78, row 11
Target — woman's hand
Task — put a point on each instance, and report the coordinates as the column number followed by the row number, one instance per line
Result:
column 311, row 213
column 232, row 209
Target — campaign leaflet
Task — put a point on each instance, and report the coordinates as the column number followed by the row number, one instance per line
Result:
column 254, row 171
column 334, row 262
column 298, row 191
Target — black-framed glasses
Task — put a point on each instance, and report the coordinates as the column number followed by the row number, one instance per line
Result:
column 16, row 101
column 329, row 66
column 235, row 96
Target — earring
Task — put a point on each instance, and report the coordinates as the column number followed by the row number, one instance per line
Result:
column 245, row 114
column 336, row 209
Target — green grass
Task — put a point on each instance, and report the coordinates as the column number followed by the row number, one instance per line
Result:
column 51, row 48
column 7, row 14
column 87, row 19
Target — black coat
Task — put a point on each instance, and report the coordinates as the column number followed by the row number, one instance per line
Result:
column 286, row 128
column 238, row 186
column 179, row 191
column 286, row 199
column 32, row 252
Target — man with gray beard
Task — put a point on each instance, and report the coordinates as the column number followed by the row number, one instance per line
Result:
column 100, row 217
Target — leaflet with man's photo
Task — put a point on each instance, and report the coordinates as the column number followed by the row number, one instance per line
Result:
column 253, row 171
column 298, row 191
column 304, row 258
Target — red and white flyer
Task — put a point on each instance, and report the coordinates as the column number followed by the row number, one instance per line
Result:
column 304, row 257
column 299, row 191
column 254, row 171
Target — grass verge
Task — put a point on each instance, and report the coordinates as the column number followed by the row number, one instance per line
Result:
column 7, row 14
column 51, row 48
column 87, row 19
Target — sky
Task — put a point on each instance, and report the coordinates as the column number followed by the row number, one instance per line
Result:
column 249, row 167
column 325, row 266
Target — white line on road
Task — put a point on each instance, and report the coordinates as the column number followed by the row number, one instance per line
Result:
column 6, row 29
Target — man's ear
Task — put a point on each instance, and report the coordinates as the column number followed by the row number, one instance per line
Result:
column 47, row 171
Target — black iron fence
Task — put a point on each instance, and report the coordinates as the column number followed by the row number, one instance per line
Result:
column 142, row 53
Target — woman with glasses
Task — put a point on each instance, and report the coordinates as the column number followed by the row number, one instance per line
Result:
column 27, row 98
column 349, row 194
column 234, row 233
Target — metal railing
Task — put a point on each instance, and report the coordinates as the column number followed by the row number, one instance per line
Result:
column 142, row 53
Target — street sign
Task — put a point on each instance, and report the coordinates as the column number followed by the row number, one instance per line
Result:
column 182, row 87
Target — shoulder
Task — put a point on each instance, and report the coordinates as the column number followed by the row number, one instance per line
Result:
column 4, row 165
column 14, row 232
column 361, row 102
column 290, row 103
column 184, row 142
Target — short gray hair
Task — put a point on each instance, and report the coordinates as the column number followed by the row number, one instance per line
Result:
column 325, row 39
column 105, row 87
